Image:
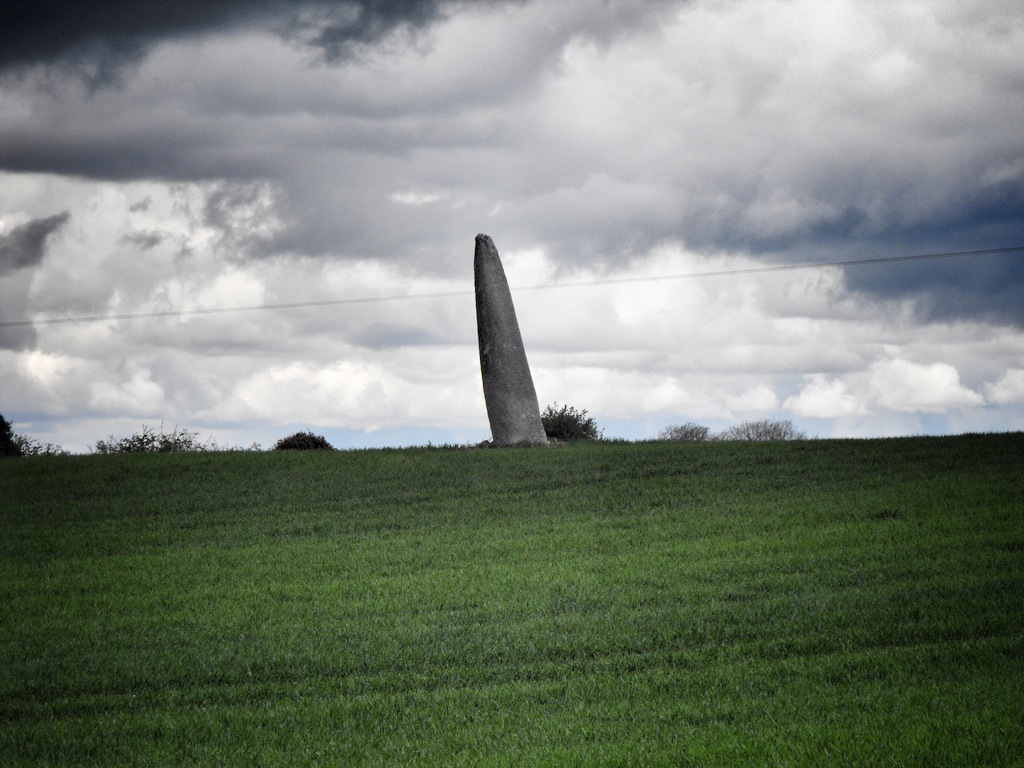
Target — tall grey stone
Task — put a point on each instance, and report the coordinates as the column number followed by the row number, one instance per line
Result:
column 511, row 400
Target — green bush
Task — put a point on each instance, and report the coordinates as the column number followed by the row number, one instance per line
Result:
column 151, row 441
column 567, row 423
column 303, row 441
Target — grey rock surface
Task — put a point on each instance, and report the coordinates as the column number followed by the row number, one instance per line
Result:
column 511, row 399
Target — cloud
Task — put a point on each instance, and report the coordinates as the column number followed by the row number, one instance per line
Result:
column 1009, row 388
column 15, row 307
column 824, row 399
column 287, row 152
column 985, row 286
column 900, row 385
column 415, row 198
column 138, row 396
column 25, row 244
column 22, row 247
column 599, row 130
column 98, row 39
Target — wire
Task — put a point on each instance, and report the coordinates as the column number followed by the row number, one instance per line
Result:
column 543, row 287
column 220, row 310
column 777, row 268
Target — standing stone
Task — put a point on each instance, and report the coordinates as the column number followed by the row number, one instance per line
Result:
column 512, row 407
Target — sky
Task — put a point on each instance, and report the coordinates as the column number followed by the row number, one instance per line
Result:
column 642, row 167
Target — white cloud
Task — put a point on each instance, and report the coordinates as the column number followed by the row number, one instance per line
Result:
column 415, row 198
column 139, row 395
column 757, row 400
column 823, row 399
column 1009, row 388
column 379, row 392
column 45, row 368
column 900, row 385
column 232, row 287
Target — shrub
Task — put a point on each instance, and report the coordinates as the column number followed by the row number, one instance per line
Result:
column 254, row 447
column 12, row 444
column 151, row 441
column 688, row 432
column 766, row 429
column 303, row 441
column 8, row 445
column 30, row 446
column 566, row 423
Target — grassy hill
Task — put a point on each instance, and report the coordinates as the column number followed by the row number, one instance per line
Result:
column 798, row 603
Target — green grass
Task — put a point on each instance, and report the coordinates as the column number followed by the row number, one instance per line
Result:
column 805, row 603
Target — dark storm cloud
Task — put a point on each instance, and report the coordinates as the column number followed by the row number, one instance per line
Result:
column 370, row 20
column 977, row 286
column 24, row 246
column 105, row 34
column 980, row 286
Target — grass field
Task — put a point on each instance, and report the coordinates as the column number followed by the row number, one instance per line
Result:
column 799, row 603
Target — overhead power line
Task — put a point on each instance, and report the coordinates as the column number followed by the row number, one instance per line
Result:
column 546, row 286
column 776, row 268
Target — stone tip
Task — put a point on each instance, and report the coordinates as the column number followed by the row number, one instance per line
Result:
column 485, row 249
